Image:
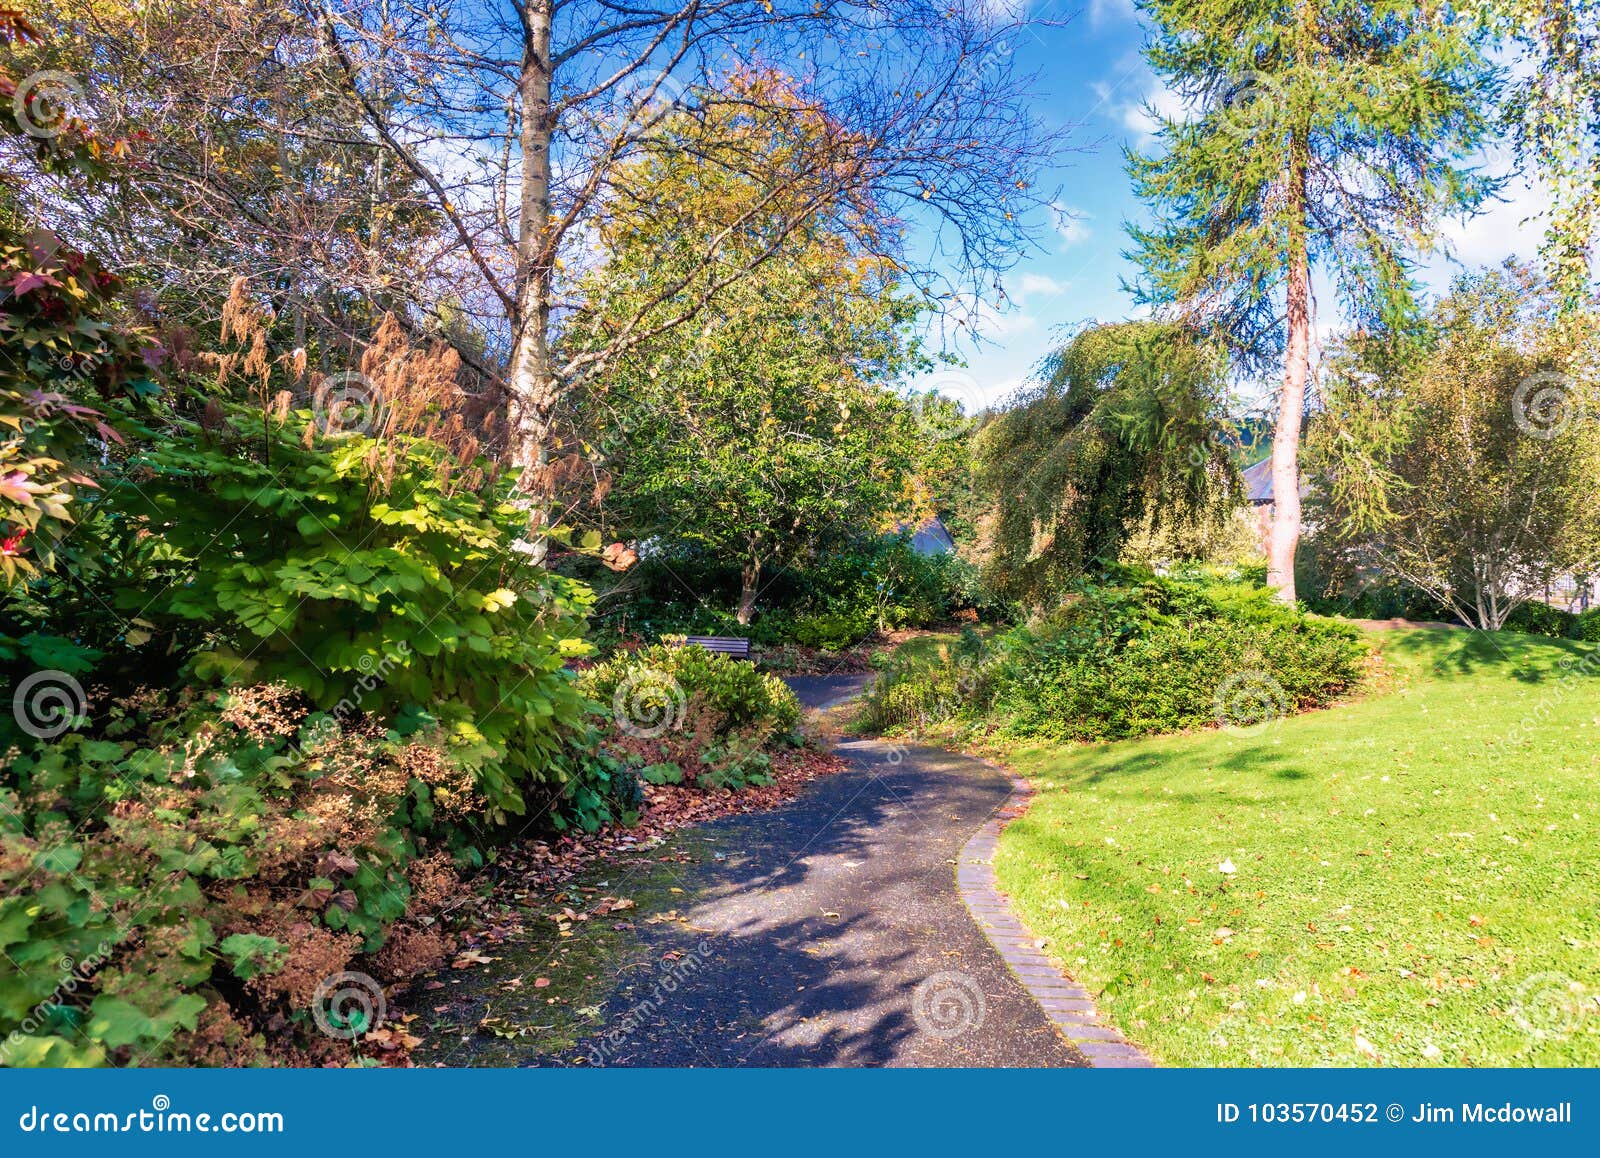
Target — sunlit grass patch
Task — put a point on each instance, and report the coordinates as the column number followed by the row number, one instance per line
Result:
column 1408, row 879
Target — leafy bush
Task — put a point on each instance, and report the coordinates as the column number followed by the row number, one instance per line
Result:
column 919, row 694
column 1587, row 626
column 325, row 673
column 845, row 591
column 705, row 714
column 1164, row 655
column 1150, row 655
column 1536, row 618
column 350, row 570
column 831, row 631
column 61, row 363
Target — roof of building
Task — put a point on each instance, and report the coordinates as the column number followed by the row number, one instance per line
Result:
column 929, row 537
column 1258, row 482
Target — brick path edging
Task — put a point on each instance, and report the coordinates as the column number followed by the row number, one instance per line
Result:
column 1068, row 1004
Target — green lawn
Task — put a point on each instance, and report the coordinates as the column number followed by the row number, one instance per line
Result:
column 1416, row 875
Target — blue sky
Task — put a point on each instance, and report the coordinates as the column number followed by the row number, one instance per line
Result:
column 1094, row 76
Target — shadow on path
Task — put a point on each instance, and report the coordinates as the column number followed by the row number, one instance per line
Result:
column 807, row 943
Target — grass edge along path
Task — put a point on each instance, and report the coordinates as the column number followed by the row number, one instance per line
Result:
column 1407, row 879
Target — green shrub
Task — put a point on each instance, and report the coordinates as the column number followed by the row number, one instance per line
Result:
column 177, row 884
column 1536, row 618
column 831, row 632
column 349, row 570
column 326, row 677
column 1587, row 626
column 846, row 590
column 918, row 694
column 1144, row 656
column 1162, row 655
column 728, row 695
column 685, row 713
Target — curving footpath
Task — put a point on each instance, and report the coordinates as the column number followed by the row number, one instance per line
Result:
column 832, row 932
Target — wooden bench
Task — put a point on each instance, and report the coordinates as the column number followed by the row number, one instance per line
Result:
column 726, row 644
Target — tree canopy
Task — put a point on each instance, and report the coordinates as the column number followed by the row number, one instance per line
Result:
column 769, row 420
column 1463, row 457
column 1128, row 425
column 1326, row 132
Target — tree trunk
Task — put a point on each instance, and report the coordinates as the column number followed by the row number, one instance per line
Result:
column 1284, row 537
column 750, row 578
column 530, row 377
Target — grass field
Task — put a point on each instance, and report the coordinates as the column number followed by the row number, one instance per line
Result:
column 1410, row 879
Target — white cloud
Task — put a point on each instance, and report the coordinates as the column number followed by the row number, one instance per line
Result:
column 987, row 321
column 1101, row 11
column 1143, row 118
column 1510, row 227
column 1070, row 223
column 1036, row 283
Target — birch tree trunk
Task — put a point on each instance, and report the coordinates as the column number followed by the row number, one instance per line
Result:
column 531, row 380
column 1284, row 537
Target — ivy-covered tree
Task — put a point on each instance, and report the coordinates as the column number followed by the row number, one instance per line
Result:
column 1127, row 431
column 1325, row 133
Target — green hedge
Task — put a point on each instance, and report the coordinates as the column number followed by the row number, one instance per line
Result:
column 1142, row 656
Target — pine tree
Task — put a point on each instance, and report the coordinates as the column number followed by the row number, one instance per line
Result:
column 1322, row 133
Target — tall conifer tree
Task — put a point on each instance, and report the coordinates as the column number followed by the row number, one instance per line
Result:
column 1328, row 134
